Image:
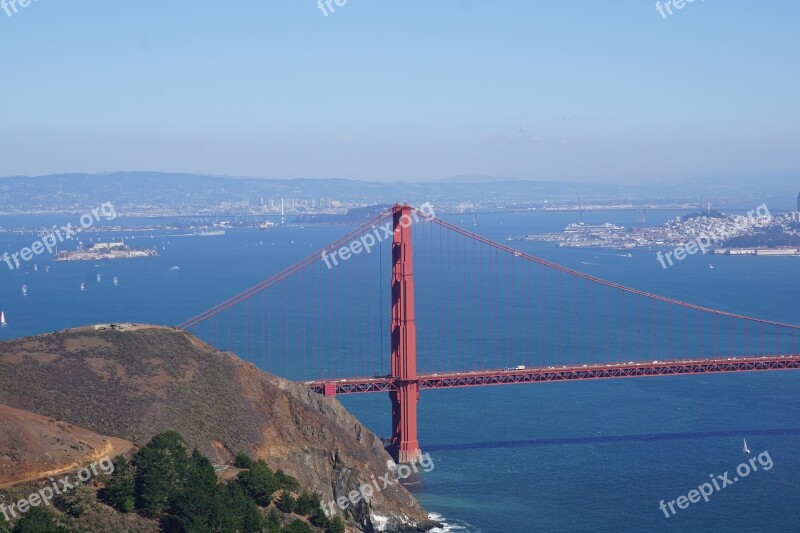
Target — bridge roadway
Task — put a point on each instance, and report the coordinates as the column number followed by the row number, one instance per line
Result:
column 478, row 378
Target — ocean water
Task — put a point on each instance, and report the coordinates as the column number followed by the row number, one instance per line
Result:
column 595, row 455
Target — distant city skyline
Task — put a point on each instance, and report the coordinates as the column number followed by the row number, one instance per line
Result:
column 417, row 91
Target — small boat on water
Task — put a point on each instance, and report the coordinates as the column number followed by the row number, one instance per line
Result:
column 745, row 449
column 116, row 281
column 2, row 318
column 175, row 268
column 83, row 286
column 36, row 268
column 99, row 280
column 24, row 290
column 710, row 266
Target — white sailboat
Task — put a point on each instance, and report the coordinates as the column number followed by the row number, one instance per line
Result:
column 83, row 286
column 2, row 318
column 745, row 449
column 710, row 265
column 116, row 281
column 36, row 268
column 24, row 290
column 98, row 279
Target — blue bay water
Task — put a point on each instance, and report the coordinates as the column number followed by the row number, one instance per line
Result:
column 595, row 455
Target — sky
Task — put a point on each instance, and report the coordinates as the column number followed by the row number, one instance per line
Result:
column 572, row 90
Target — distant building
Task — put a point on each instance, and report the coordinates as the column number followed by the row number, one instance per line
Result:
column 777, row 251
column 742, row 251
column 97, row 247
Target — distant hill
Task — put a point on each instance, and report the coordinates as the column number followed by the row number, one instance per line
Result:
column 140, row 381
column 151, row 192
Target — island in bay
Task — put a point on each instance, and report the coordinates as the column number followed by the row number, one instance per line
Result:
column 105, row 250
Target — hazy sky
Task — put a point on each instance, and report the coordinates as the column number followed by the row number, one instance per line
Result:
column 416, row 89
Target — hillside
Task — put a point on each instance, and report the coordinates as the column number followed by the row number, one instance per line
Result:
column 139, row 381
column 33, row 446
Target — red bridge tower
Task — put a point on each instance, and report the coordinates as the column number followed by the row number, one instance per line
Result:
column 404, row 444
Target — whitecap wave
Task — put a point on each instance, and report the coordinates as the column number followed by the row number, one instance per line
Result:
column 453, row 525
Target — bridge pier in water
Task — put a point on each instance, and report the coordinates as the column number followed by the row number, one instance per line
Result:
column 404, row 444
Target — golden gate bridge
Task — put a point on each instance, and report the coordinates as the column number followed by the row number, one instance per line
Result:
column 456, row 309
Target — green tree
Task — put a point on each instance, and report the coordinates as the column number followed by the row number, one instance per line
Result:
column 287, row 482
column 119, row 491
column 247, row 514
column 37, row 520
column 296, row 526
column 273, row 522
column 287, row 503
column 161, row 469
column 305, row 504
column 193, row 507
column 259, row 483
column 335, row 525
column 243, row 461
column 318, row 518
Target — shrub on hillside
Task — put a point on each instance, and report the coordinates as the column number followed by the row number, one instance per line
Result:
column 38, row 520
column 259, row 483
column 77, row 501
column 243, row 461
column 296, row 526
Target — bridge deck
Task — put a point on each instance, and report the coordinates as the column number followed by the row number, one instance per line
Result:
column 479, row 378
